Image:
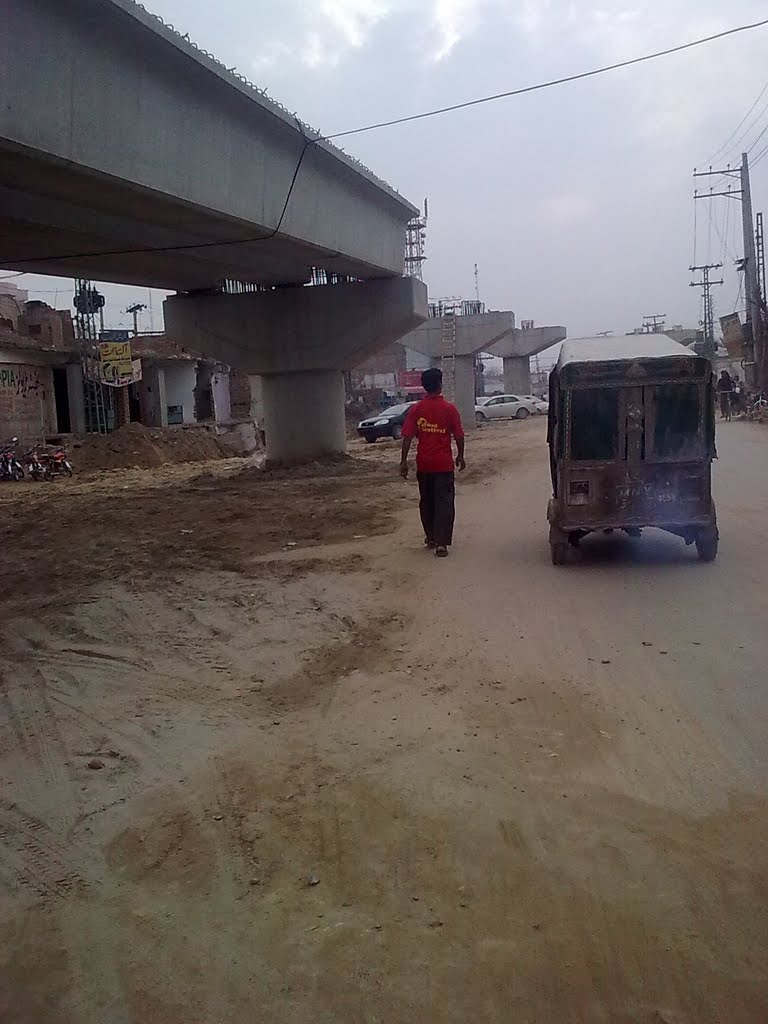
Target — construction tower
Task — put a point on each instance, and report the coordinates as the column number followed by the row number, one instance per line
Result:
column 415, row 239
column 88, row 302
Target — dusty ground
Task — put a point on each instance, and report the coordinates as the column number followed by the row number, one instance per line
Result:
column 524, row 794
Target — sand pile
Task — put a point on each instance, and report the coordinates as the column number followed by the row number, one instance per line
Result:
column 138, row 447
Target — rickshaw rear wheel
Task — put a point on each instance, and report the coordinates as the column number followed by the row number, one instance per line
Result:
column 706, row 545
column 559, row 551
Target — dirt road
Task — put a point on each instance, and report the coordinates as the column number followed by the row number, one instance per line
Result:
column 343, row 781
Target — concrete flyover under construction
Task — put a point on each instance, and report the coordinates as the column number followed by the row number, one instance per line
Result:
column 516, row 349
column 474, row 332
column 492, row 332
column 127, row 154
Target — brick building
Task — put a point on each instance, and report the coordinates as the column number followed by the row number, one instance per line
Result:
column 41, row 380
column 39, row 368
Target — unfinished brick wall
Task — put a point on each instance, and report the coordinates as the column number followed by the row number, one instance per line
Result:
column 47, row 328
column 10, row 310
column 27, row 409
column 239, row 395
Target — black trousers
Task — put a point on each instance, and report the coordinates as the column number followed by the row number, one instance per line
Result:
column 437, row 506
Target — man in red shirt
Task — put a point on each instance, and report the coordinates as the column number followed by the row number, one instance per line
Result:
column 434, row 422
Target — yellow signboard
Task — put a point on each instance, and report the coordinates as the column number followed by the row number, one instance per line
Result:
column 115, row 359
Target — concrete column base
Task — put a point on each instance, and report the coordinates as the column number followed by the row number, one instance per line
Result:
column 465, row 390
column 517, row 375
column 299, row 340
column 304, row 414
column 463, row 396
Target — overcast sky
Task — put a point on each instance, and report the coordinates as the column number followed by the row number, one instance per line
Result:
column 574, row 202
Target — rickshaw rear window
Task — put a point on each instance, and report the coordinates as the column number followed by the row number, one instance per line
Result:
column 594, row 424
column 676, row 420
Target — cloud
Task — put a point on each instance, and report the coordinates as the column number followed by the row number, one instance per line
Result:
column 323, row 34
column 452, row 20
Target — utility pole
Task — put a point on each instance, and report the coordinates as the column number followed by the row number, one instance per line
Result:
column 751, row 283
column 654, row 323
column 135, row 309
column 710, row 349
column 753, row 359
column 477, row 286
column 752, row 288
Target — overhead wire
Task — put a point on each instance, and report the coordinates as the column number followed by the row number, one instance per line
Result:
column 759, row 157
column 740, row 293
column 711, row 225
column 723, row 240
column 725, row 145
column 762, row 133
column 550, row 84
column 738, row 145
column 524, row 90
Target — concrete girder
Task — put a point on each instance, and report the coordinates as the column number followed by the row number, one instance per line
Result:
column 116, row 133
column 299, row 340
column 474, row 333
column 516, row 349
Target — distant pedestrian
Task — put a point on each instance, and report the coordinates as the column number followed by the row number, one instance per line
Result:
column 737, row 400
column 434, row 422
column 725, row 391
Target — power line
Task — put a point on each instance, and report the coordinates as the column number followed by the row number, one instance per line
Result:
column 386, row 124
column 762, row 133
column 552, row 82
column 740, row 295
column 732, row 136
column 759, row 157
column 740, row 142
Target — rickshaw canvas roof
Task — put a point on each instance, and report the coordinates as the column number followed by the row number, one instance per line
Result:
column 620, row 348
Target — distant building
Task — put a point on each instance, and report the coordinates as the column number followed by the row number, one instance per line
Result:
column 42, row 391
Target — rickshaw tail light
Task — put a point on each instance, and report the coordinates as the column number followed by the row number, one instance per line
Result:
column 578, row 492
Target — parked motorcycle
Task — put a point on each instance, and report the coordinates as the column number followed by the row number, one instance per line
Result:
column 46, row 463
column 10, row 467
column 36, row 468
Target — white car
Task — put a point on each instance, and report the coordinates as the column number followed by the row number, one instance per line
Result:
column 504, row 407
column 542, row 405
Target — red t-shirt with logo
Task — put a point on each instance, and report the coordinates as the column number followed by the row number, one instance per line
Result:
column 434, row 422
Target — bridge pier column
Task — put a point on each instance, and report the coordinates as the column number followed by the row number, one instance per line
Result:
column 464, row 396
column 517, row 375
column 475, row 332
column 304, row 415
column 299, row 340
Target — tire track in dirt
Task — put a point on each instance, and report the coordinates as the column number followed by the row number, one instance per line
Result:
column 31, row 858
column 35, row 728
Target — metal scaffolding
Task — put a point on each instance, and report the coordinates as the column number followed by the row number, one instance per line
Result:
column 415, row 242
column 88, row 302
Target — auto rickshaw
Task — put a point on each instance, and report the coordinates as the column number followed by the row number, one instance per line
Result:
column 631, row 442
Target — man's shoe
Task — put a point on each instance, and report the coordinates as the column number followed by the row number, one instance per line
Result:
column 441, row 551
